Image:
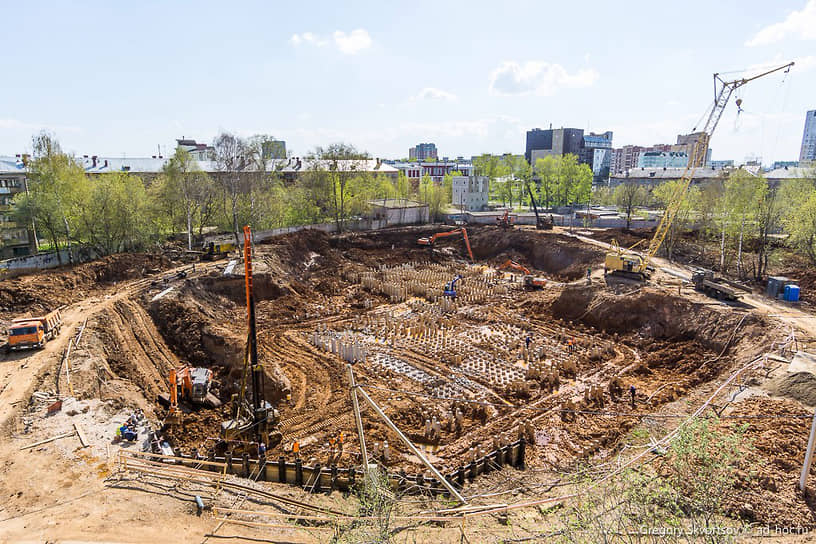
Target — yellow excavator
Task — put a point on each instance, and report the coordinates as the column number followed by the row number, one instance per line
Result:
column 627, row 263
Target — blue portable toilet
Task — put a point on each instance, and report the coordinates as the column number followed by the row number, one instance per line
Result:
column 792, row 292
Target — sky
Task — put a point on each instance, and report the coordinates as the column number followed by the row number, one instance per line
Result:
column 114, row 78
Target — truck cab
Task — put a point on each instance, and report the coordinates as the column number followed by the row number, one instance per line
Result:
column 26, row 334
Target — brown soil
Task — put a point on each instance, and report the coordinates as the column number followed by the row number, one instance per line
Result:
column 309, row 283
column 53, row 288
column 768, row 491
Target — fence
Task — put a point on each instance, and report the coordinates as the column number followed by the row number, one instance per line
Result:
column 318, row 478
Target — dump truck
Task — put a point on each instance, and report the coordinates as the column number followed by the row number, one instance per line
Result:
column 33, row 332
column 706, row 282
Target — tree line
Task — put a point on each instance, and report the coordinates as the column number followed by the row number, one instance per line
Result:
column 554, row 180
column 120, row 211
column 739, row 211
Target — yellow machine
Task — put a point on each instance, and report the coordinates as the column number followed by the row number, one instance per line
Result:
column 629, row 264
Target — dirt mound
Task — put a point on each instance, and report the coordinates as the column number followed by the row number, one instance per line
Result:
column 556, row 255
column 626, row 238
column 800, row 386
column 769, row 478
column 207, row 329
column 52, row 288
column 656, row 314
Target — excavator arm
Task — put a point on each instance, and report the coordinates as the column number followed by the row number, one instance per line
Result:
column 514, row 265
column 429, row 241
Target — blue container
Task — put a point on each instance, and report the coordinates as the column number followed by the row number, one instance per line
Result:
column 792, row 293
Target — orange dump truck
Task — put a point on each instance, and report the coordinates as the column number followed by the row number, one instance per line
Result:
column 33, row 332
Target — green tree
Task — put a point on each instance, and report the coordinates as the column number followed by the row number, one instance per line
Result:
column 185, row 194
column 664, row 194
column 742, row 191
column 57, row 191
column 114, row 218
column 628, row 196
column 434, row 196
column 799, row 218
column 345, row 175
column 547, row 169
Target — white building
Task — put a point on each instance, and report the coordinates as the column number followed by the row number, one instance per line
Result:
column 398, row 211
column 470, row 193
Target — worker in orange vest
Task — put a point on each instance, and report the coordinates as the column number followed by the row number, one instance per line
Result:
column 296, row 449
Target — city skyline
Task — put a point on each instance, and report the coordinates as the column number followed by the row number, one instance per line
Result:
column 361, row 75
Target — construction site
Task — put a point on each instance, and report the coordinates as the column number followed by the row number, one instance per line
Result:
column 486, row 368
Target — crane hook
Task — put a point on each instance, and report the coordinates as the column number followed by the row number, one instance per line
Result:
column 739, row 106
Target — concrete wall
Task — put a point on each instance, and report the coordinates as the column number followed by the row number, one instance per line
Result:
column 31, row 263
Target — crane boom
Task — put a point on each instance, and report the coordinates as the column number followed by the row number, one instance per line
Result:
column 697, row 156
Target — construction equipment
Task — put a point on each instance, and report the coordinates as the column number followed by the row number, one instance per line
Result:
column 191, row 385
column 33, row 332
column 506, row 221
column 450, row 287
column 625, row 263
column 530, row 281
column 429, row 240
column 213, row 251
column 541, row 223
column 706, row 282
column 253, row 420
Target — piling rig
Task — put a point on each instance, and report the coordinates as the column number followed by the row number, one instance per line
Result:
column 254, row 420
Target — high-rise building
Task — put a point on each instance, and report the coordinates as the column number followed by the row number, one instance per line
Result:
column 662, row 159
column 421, row 152
column 808, row 151
column 592, row 149
column 688, row 142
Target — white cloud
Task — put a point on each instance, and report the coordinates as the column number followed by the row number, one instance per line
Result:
column 432, row 93
column 308, row 37
column 536, row 77
column 352, row 43
column 798, row 24
column 349, row 44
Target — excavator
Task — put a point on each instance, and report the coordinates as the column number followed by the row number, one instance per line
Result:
column 626, row 263
column 254, row 420
column 191, row 385
column 506, row 221
column 541, row 223
column 530, row 281
column 450, row 287
column 429, row 240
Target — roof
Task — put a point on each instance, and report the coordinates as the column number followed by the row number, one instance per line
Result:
column 150, row 165
column 670, row 173
column 797, row 172
column 397, row 203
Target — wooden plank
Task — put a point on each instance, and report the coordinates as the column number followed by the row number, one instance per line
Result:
column 47, row 440
column 81, row 436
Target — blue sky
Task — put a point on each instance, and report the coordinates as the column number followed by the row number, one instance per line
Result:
column 113, row 78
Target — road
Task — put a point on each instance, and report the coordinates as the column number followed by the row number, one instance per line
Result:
column 800, row 320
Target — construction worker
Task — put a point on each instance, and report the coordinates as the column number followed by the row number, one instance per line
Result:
column 589, row 276
column 261, row 449
column 296, row 449
column 633, row 392
column 340, row 439
column 528, row 340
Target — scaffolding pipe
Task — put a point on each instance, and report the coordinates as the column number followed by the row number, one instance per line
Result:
column 358, row 420
column 411, row 446
column 808, row 455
